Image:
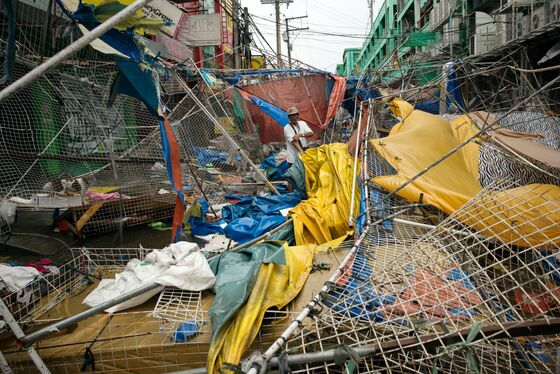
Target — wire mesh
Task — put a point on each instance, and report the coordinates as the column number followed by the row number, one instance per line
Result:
column 64, row 147
column 48, row 290
column 406, row 297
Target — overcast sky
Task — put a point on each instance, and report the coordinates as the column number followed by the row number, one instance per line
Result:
column 348, row 18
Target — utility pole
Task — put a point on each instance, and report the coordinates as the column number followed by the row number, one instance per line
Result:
column 288, row 42
column 246, row 38
column 370, row 8
column 288, row 30
column 278, row 40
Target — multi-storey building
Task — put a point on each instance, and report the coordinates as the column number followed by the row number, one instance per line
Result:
column 406, row 31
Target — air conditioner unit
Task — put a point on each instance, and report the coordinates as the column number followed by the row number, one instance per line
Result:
column 538, row 18
column 554, row 12
column 453, row 31
column 437, row 7
column 484, row 23
column 482, row 43
column 504, row 28
column 522, row 26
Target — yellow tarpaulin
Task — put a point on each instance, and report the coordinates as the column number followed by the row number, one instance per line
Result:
column 328, row 178
column 422, row 138
column 276, row 286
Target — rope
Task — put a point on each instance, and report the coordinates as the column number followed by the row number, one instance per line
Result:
column 89, row 359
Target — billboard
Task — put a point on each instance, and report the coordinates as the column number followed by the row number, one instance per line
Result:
column 199, row 30
column 165, row 11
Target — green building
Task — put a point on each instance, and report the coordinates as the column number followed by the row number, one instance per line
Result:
column 349, row 59
column 411, row 35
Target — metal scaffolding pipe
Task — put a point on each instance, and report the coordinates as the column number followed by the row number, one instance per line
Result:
column 510, row 330
column 79, row 44
column 355, row 170
column 55, row 327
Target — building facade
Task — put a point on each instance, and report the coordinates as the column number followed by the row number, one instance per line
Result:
column 439, row 30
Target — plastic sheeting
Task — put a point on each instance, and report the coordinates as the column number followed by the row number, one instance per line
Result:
column 260, row 206
column 308, row 93
column 328, row 177
column 14, row 278
column 245, row 229
column 236, row 273
column 420, row 139
column 278, row 115
column 180, row 265
column 335, row 98
column 276, row 285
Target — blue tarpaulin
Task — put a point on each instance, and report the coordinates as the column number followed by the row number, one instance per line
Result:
column 277, row 114
column 246, row 229
column 206, row 156
column 260, row 206
column 274, row 172
column 429, row 106
column 453, row 88
column 135, row 81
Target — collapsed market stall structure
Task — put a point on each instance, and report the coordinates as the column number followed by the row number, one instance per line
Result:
column 452, row 265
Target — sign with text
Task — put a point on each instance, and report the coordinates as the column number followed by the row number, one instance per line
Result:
column 165, row 11
column 199, row 30
column 176, row 50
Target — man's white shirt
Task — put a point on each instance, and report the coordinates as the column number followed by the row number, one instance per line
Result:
column 291, row 151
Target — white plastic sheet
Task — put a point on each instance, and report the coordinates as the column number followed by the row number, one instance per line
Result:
column 180, row 265
column 14, row 278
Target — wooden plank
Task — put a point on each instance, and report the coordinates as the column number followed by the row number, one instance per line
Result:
column 88, row 214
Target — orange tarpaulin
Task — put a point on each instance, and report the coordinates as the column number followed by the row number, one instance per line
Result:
column 308, row 93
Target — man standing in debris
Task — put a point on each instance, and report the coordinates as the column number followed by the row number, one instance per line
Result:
column 296, row 133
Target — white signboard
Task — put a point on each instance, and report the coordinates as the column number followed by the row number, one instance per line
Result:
column 165, row 11
column 199, row 30
column 177, row 51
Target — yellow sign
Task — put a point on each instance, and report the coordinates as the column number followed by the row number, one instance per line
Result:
column 258, row 62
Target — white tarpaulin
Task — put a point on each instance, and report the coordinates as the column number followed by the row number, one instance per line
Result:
column 180, row 265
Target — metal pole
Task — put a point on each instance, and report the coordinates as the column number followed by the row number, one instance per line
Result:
column 279, row 343
column 279, row 63
column 365, row 177
column 496, row 331
column 55, row 327
column 288, row 42
column 85, row 40
column 18, row 332
column 246, row 38
column 4, row 365
column 431, row 227
column 357, row 150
